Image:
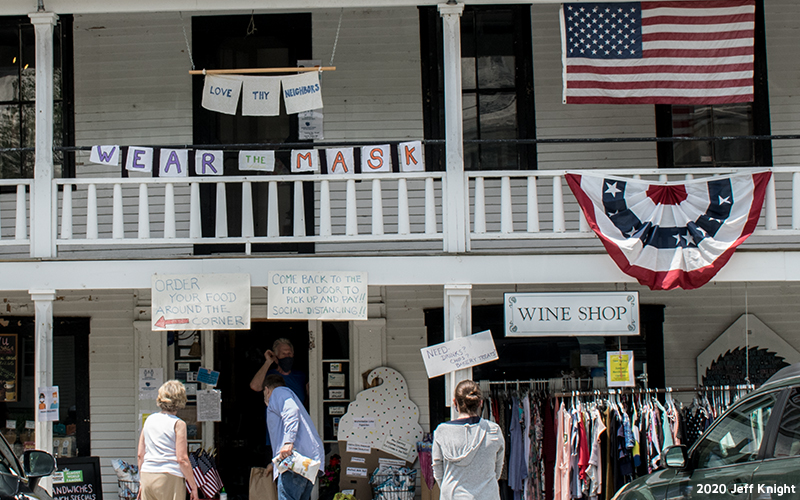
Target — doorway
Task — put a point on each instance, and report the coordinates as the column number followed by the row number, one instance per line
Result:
column 70, row 374
column 241, row 435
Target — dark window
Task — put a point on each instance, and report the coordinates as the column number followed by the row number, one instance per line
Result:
column 496, row 83
column 18, row 92
column 227, row 42
column 725, row 120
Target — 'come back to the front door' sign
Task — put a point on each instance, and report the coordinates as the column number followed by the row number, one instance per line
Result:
column 200, row 302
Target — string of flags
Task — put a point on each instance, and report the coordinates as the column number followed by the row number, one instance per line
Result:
column 337, row 161
column 261, row 95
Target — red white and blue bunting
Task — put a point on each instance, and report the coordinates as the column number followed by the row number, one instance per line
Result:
column 670, row 235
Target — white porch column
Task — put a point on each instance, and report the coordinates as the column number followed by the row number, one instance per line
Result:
column 42, row 225
column 43, row 362
column 455, row 203
column 457, row 324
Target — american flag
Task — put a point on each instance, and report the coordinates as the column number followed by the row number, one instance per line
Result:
column 205, row 474
column 680, row 52
column 670, row 235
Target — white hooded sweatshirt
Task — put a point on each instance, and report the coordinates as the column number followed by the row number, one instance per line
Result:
column 467, row 458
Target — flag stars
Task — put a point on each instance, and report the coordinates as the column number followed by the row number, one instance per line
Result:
column 613, row 190
column 726, row 200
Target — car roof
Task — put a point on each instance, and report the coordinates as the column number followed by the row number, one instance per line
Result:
column 785, row 376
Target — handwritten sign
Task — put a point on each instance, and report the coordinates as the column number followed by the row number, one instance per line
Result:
column 207, row 376
column 338, row 295
column 619, row 369
column 459, row 354
column 8, row 366
column 200, row 302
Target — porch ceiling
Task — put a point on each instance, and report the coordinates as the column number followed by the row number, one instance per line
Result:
column 382, row 271
column 23, row 7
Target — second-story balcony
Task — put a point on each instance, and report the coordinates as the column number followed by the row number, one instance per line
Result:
column 396, row 213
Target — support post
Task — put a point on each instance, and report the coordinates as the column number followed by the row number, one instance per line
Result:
column 455, row 204
column 43, row 362
column 457, row 324
column 43, row 226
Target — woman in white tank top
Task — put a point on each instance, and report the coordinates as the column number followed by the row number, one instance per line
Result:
column 164, row 467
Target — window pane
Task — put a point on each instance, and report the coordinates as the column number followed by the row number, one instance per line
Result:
column 467, row 73
column 28, row 62
column 732, row 120
column 498, row 120
column 692, row 121
column 470, row 116
column 788, row 441
column 738, row 437
column 496, row 72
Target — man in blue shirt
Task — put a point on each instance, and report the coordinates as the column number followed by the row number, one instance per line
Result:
column 282, row 355
column 290, row 429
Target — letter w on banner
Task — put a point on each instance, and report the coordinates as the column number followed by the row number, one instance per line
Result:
column 674, row 234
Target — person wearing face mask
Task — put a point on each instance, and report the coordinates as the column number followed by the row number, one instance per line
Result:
column 282, row 356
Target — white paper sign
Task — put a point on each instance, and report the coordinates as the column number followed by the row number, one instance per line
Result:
column 261, row 95
column 363, row 448
column 363, row 423
column 309, row 125
column 209, row 406
column 263, row 161
column 200, row 302
column 358, row 460
column 209, row 162
column 48, row 404
column 317, row 295
column 11, row 424
column 589, row 360
column 305, row 160
column 221, row 93
column 340, row 161
column 397, row 447
column 411, row 156
column 105, row 155
column 301, row 92
column 356, row 472
column 459, row 353
column 174, row 163
column 376, row 159
column 391, row 462
column 139, row 159
column 150, row 379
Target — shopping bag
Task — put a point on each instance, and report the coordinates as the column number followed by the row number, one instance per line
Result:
column 298, row 464
column 204, row 470
column 262, row 487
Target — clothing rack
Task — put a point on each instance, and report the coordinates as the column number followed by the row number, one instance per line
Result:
column 667, row 390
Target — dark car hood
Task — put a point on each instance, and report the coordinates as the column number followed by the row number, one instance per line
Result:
column 652, row 486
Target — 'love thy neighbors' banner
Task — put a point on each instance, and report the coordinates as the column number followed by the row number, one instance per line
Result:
column 261, row 94
column 459, row 354
column 317, row 295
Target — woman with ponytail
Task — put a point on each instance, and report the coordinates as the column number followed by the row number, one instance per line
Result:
column 467, row 453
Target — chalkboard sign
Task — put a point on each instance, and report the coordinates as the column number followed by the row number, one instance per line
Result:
column 78, row 479
column 8, row 367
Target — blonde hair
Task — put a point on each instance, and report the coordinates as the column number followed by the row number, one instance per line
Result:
column 171, row 396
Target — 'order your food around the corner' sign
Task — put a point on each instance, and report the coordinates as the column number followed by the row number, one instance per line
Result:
column 200, row 302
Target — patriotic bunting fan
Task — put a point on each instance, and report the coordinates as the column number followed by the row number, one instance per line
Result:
column 670, row 235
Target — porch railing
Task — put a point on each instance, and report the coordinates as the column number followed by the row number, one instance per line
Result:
column 166, row 212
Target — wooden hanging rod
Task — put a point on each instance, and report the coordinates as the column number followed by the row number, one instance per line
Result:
column 258, row 70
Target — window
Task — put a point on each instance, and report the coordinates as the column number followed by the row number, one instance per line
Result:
column 738, row 437
column 787, row 443
column 496, row 83
column 17, row 96
column 740, row 119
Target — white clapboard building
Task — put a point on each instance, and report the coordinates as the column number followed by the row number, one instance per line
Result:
column 146, row 232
